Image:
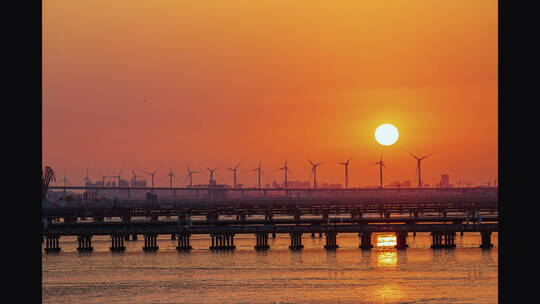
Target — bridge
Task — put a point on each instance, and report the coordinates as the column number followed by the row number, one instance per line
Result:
column 443, row 212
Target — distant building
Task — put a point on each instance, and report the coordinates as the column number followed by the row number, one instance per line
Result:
column 406, row 184
column 395, row 184
column 445, row 180
column 138, row 182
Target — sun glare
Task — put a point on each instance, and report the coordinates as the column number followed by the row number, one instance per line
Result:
column 386, row 240
column 386, row 134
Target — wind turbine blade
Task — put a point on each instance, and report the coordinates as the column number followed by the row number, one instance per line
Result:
column 145, row 172
column 310, row 162
column 426, row 156
column 239, row 164
column 348, row 160
column 185, row 180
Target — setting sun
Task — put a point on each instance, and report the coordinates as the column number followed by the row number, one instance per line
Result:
column 386, row 134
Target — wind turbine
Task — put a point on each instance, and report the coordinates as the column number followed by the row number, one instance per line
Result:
column 65, row 181
column 259, row 171
column 234, row 171
column 286, row 169
column 211, row 175
column 418, row 167
column 103, row 177
column 87, row 181
column 381, row 165
column 346, row 164
column 190, row 176
column 134, row 179
column 119, row 174
column 152, row 175
column 170, row 175
column 314, row 172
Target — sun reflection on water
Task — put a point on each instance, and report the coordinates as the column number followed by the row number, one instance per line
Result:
column 389, row 292
column 386, row 258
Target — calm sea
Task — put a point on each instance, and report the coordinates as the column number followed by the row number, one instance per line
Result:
column 418, row 274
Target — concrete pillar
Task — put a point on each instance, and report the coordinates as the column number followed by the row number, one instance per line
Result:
column 486, row 240
column 150, row 242
column 52, row 245
column 331, row 242
column 117, row 243
column 183, row 241
column 85, row 243
column 365, row 240
column 296, row 241
column 401, row 240
column 262, row 241
column 439, row 242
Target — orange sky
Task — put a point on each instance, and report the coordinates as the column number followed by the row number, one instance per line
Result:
column 268, row 80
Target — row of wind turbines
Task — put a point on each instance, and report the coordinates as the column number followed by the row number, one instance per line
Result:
column 259, row 171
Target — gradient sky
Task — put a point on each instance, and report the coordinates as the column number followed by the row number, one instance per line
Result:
column 233, row 80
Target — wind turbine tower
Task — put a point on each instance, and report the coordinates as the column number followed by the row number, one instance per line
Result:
column 190, row 176
column 211, row 181
column 65, row 181
column 346, row 164
column 418, row 160
column 286, row 169
column 119, row 174
column 152, row 175
column 259, row 171
column 314, row 172
column 170, row 175
column 87, row 181
column 381, row 165
column 234, row 172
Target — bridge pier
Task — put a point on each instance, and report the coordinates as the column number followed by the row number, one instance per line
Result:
column 150, row 242
column 223, row 241
column 331, row 242
column 117, row 243
column 262, row 241
column 486, row 240
column 273, row 235
column 85, row 243
column 296, row 241
column 401, row 240
column 183, row 241
column 365, row 240
column 443, row 239
column 98, row 219
column 52, row 243
column 173, row 236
